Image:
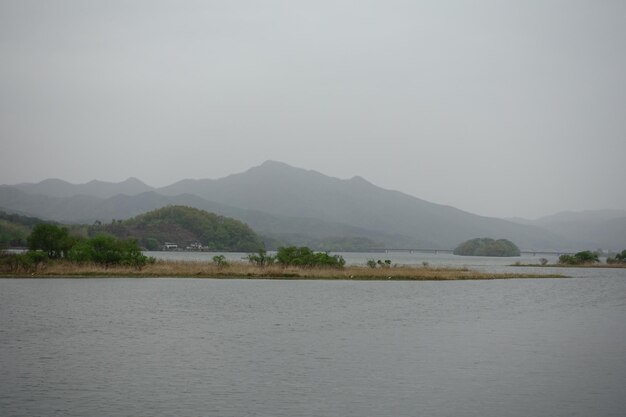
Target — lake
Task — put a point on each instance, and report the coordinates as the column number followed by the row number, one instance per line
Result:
column 203, row 347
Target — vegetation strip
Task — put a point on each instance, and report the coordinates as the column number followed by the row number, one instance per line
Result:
column 187, row 269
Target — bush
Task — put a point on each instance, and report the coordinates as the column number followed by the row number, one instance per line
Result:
column 220, row 261
column 371, row 263
column 261, row 258
column 620, row 258
column 384, row 264
column 28, row 262
column 303, row 256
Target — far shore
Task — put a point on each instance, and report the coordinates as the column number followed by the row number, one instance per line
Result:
column 239, row 270
column 597, row 266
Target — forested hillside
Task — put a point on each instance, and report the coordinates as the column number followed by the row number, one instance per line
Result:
column 185, row 227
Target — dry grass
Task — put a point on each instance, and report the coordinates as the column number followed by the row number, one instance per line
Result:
column 163, row 268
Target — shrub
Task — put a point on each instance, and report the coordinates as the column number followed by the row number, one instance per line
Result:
column 303, row 256
column 384, row 264
column 220, row 261
column 261, row 258
column 371, row 263
column 29, row 262
column 620, row 258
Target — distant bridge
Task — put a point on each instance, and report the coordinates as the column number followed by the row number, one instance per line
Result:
column 437, row 251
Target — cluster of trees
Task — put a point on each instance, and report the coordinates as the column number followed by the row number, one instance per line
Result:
column 580, row 258
column 297, row 256
column 49, row 242
column 487, row 247
column 588, row 257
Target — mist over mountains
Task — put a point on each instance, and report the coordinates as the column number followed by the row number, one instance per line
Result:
column 297, row 206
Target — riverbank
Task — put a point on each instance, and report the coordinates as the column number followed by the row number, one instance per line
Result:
column 190, row 269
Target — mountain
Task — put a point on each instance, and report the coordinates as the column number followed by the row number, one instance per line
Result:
column 185, row 226
column 278, row 188
column 289, row 205
column 594, row 229
column 100, row 189
column 277, row 230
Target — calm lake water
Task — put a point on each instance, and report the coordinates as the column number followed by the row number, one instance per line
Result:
column 202, row 347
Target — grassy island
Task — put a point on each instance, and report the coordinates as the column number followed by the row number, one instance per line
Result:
column 186, row 269
column 55, row 253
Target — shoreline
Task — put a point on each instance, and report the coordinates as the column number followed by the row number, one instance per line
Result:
column 191, row 269
column 589, row 266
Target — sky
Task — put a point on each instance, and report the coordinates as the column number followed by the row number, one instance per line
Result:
column 500, row 108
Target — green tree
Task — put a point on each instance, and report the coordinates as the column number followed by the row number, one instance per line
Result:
column 52, row 239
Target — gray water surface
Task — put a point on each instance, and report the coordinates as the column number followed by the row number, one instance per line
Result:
column 202, row 347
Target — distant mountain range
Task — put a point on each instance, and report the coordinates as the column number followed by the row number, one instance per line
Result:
column 289, row 205
column 592, row 228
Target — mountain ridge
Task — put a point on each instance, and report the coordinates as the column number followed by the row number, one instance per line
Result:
column 277, row 199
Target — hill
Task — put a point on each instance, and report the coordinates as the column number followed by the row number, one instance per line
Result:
column 184, row 226
column 487, row 247
column 15, row 228
column 277, row 230
column 58, row 188
column 605, row 229
column 289, row 205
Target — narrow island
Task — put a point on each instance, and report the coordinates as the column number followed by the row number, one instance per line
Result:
column 113, row 251
column 583, row 259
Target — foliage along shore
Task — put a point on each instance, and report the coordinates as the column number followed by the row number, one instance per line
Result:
column 240, row 270
column 584, row 259
column 597, row 266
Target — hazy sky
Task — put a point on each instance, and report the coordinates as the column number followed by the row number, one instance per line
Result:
column 501, row 108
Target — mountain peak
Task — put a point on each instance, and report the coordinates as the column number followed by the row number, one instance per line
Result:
column 275, row 164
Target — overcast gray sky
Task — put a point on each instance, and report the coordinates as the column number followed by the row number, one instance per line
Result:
column 501, row 108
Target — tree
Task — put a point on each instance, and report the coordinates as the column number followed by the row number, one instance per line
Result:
column 52, row 239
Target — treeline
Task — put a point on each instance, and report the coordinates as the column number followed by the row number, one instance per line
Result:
column 297, row 256
column 52, row 243
column 589, row 258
